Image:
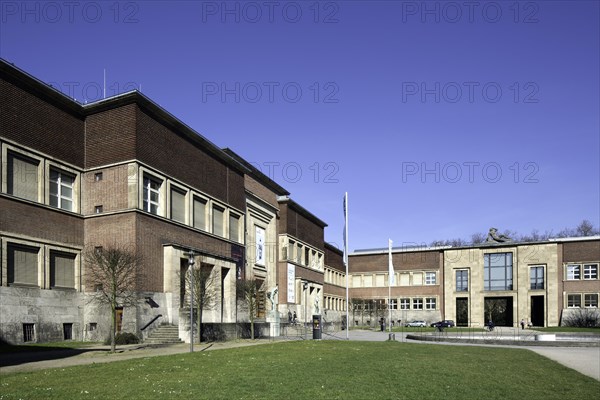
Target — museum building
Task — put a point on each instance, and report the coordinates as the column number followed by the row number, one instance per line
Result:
column 124, row 171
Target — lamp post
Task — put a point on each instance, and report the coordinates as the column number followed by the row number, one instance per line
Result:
column 191, row 263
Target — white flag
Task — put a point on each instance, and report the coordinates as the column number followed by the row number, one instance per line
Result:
column 392, row 275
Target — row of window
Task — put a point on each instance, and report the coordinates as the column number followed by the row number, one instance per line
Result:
column 24, row 268
column 334, row 277
column 417, row 278
column 536, row 279
column 335, row 303
column 189, row 208
column 581, row 271
column 589, row 300
column 415, row 303
column 300, row 253
column 29, row 332
column 34, row 178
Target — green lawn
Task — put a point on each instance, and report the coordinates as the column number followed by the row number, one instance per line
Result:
column 315, row 370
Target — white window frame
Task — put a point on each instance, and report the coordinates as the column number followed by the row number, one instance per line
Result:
column 147, row 191
column 431, row 303
column 61, row 183
column 590, row 271
column 418, row 303
column 573, row 272
column 585, row 300
column 404, row 303
column 569, row 301
column 430, row 278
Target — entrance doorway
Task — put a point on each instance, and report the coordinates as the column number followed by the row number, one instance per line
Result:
column 119, row 316
column 537, row 310
column 462, row 311
column 499, row 310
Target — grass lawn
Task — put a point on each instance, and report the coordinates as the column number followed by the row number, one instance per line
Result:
column 315, row 370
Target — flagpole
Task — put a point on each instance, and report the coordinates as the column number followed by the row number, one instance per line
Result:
column 346, row 262
column 391, row 280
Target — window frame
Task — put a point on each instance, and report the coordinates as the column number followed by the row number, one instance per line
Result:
column 573, row 303
column 573, row 272
column 418, row 303
column 9, row 153
column 182, row 192
column 148, row 190
column 534, row 281
column 428, row 278
column 10, row 272
column 592, row 302
column 593, row 271
column 490, row 284
column 404, row 303
column 222, row 210
column 459, row 280
column 203, row 200
column 238, row 218
column 61, row 186
column 431, row 303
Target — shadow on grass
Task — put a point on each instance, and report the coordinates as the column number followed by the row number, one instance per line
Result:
column 21, row 354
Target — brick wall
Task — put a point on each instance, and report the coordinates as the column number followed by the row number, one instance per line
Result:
column 581, row 251
column 111, row 192
column 41, row 222
column 334, row 258
column 299, row 226
column 402, row 261
column 35, row 123
column 178, row 157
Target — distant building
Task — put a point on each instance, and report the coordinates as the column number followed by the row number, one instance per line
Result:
column 540, row 282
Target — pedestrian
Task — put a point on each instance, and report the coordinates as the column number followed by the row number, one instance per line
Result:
column 289, row 316
column 522, row 324
column 382, row 324
column 294, row 318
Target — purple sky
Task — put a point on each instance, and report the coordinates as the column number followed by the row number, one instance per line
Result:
column 440, row 119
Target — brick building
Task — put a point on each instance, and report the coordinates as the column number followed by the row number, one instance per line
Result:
column 539, row 282
column 123, row 171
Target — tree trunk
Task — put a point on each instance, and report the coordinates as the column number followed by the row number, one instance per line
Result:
column 113, row 328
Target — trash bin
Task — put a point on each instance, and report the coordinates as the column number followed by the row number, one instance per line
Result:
column 317, row 327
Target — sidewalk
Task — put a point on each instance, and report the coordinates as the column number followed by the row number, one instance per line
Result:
column 584, row 360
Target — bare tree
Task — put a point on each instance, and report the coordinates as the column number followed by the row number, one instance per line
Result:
column 204, row 297
column 247, row 290
column 478, row 238
column 113, row 272
column 585, row 228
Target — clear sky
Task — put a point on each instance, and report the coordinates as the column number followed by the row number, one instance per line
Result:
column 440, row 119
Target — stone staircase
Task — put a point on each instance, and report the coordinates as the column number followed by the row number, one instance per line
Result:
column 164, row 334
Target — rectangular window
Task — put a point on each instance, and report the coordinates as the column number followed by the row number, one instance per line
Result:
column 462, row 280
column 61, row 189
column 430, row 303
column 28, row 332
column 536, row 277
column 573, row 272
column 22, row 265
column 178, row 205
column 217, row 221
column 62, row 270
column 591, row 300
column 234, row 227
column 98, row 176
column 498, row 271
column 291, row 247
column 68, row 331
column 573, row 300
column 430, row 278
column 307, row 256
column 417, row 304
column 199, row 213
column 151, row 194
column 590, row 271
column 299, row 254
column 404, row 304
column 393, row 304
column 23, row 177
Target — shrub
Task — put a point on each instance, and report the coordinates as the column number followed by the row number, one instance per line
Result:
column 124, row 338
column 582, row 318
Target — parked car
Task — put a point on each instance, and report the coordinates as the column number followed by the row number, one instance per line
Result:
column 417, row 324
column 447, row 323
